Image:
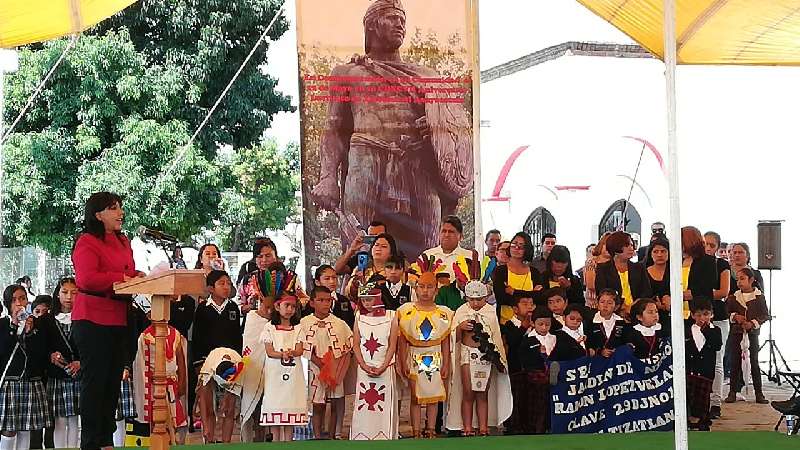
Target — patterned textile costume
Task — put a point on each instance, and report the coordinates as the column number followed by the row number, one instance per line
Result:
column 375, row 413
column 330, row 339
column 482, row 372
column 144, row 373
column 425, row 331
column 253, row 374
column 284, row 401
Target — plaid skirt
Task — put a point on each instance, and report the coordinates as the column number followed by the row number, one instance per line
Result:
column 698, row 394
column 23, row 406
column 126, row 408
column 64, row 396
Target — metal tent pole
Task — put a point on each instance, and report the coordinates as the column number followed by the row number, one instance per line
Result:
column 675, row 266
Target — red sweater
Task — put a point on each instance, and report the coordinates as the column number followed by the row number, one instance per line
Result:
column 98, row 265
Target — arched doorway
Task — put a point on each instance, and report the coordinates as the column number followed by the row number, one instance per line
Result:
column 540, row 222
column 612, row 219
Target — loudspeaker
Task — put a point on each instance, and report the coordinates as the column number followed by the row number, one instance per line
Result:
column 769, row 245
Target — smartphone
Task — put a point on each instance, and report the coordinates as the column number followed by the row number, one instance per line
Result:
column 363, row 259
column 369, row 239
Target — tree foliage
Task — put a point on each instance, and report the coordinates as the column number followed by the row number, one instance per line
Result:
column 123, row 103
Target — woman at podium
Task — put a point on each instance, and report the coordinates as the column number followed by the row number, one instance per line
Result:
column 102, row 256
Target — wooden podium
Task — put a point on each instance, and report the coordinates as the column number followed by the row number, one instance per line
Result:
column 163, row 287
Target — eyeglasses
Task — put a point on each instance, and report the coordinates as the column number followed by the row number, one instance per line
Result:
column 516, row 245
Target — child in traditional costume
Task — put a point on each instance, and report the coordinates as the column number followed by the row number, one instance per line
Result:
column 480, row 385
column 703, row 341
column 570, row 339
column 23, row 358
column 284, row 404
column 126, row 407
column 376, row 412
column 529, row 342
column 277, row 284
column 327, row 344
column 63, row 374
column 144, row 367
column 219, row 374
column 424, row 351
column 605, row 330
column 648, row 335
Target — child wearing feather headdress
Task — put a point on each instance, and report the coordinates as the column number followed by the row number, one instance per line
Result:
column 279, row 282
column 424, row 351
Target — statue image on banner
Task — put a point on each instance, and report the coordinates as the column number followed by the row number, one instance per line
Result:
column 396, row 141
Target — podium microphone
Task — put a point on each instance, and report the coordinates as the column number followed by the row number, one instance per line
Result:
column 150, row 234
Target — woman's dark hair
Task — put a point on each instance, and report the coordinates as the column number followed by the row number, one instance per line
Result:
column 320, row 270
column 260, row 243
column 8, row 295
column 96, row 203
column 559, row 253
column 658, row 240
column 199, row 263
column 275, row 316
column 528, row 256
column 617, row 241
column 389, row 239
column 55, row 308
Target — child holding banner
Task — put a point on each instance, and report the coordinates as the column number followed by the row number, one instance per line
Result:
column 647, row 335
column 605, row 331
column 703, row 340
column 480, row 381
column 527, row 336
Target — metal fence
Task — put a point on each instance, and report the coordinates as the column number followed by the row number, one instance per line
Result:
column 44, row 269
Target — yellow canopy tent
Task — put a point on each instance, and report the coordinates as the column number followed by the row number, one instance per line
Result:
column 741, row 32
column 710, row 32
column 26, row 21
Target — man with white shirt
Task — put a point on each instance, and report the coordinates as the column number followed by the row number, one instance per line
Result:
column 449, row 249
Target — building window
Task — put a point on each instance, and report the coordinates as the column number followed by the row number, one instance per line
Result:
column 613, row 221
column 539, row 223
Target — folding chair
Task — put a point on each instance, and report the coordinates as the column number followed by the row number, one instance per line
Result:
column 793, row 380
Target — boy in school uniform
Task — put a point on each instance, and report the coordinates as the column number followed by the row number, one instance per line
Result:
column 703, row 340
column 327, row 344
column 394, row 291
column 748, row 310
column 604, row 332
column 529, row 342
column 556, row 300
column 570, row 339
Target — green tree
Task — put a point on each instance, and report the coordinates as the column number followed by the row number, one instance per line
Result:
column 124, row 102
column 266, row 179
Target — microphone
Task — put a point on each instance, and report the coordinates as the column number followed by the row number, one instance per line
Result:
column 150, row 234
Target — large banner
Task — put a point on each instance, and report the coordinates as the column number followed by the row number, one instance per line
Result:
column 386, row 120
column 620, row 394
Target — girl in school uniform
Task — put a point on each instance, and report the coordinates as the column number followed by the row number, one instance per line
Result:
column 648, row 335
column 23, row 358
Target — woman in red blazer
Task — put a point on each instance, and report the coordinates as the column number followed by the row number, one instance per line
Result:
column 102, row 256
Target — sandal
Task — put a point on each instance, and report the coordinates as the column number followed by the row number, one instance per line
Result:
column 467, row 433
column 429, row 433
column 483, row 433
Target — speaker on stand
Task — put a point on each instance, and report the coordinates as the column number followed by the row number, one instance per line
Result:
column 769, row 258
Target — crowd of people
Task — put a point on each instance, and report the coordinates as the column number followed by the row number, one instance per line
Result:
column 471, row 339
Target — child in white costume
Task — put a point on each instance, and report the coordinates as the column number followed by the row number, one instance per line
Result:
column 375, row 413
column 480, row 387
column 284, row 404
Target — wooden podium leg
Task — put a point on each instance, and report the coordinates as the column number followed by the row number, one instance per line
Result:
column 159, row 436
